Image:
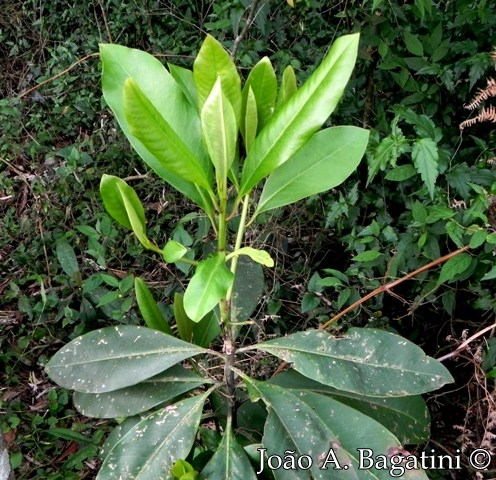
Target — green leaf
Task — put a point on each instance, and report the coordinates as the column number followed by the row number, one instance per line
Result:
column 454, row 267
column 478, row 238
column 116, row 357
column 206, row 330
column 364, row 361
column 327, row 431
column 158, row 137
column 122, row 203
column 259, row 256
column 325, row 161
column 67, row 258
column 186, row 82
column 183, row 322
column 173, row 251
column 491, row 275
column 139, row 398
column 148, row 308
column 288, row 87
column 250, row 121
column 121, row 63
column 401, row 173
column 248, row 287
column 309, row 302
column 302, row 115
column 263, row 84
column 425, row 158
column 368, row 256
column 207, row 287
column 229, row 461
column 413, row 44
column 406, row 417
column 214, row 62
column 151, row 447
column 220, row 132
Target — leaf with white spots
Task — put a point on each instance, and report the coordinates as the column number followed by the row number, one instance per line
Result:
column 112, row 358
column 141, row 397
column 364, row 361
column 229, row 461
column 150, row 449
column 405, row 417
column 323, row 429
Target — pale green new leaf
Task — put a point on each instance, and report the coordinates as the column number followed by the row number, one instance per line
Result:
column 157, row 136
column 263, row 83
column 288, row 86
column 259, row 256
column 250, row 124
column 213, row 62
column 406, row 417
column 325, row 161
column 111, row 358
column 220, row 131
column 229, row 461
column 122, row 203
column 184, row 79
column 454, row 267
column 173, row 251
column 139, row 398
column 364, row 361
column 425, row 159
column 148, row 308
column 302, row 115
column 121, row 63
column 207, row 287
column 311, row 424
column 149, row 449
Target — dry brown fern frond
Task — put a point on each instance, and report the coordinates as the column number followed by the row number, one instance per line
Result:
column 485, row 115
column 483, row 94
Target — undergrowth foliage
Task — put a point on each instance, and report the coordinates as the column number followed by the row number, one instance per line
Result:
column 182, row 385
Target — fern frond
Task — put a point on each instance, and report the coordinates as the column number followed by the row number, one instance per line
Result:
column 483, row 94
column 485, row 115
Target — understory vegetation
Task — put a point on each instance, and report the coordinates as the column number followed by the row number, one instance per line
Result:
column 425, row 188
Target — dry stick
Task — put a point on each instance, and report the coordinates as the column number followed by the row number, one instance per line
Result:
column 466, row 343
column 387, row 288
column 63, row 72
column 249, row 21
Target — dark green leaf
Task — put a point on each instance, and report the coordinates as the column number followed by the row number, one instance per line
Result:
column 364, row 361
column 148, row 308
column 150, row 449
column 116, row 357
column 229, row 462
column 139, row 398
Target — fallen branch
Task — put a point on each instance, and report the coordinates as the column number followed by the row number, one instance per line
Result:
column 388, row 286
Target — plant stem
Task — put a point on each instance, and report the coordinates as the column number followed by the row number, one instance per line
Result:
column 239, row 240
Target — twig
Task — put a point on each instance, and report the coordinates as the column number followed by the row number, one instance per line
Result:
column 389, row 286
column 249, row 21
column 63, row 72
column 466, row 343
